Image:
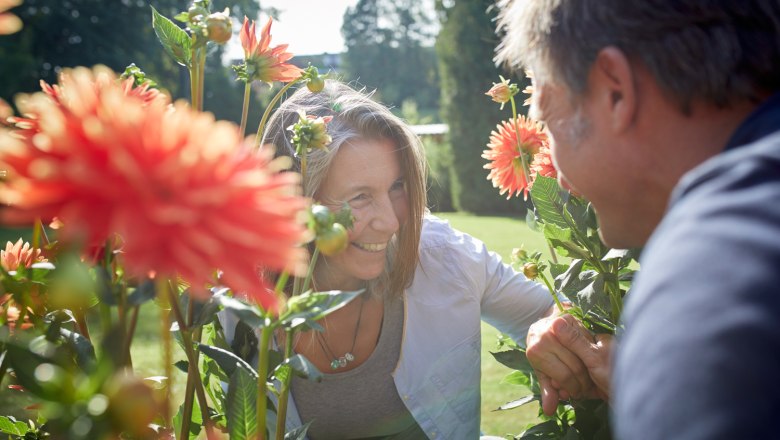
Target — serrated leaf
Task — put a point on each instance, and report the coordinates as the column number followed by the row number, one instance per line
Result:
column 226, row 360
column 242, row 405
column 593, row 297
column 312, row 306
column 173, row 38
column 514, row 359
column 520, row 378
column 9, row 425
column 517, row 403
column 196, row 421
column 546, row 195
column 245, row 312
column 298, row 433
column 144, row 292
column 182, row 17
column 302, row 367
column 183, row 366
column 567, row 282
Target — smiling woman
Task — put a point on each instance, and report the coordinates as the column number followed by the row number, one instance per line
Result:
column 403, row 360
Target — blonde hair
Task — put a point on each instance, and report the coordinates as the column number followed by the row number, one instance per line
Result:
column 357, row 116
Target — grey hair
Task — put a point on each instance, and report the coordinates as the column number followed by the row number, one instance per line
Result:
column 718, row 51
column 357, row 116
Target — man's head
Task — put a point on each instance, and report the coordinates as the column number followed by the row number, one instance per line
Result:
column 636, row 93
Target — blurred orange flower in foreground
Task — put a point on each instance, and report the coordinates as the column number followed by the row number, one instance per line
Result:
column 506, row 169
column 9, row 23
column 184, row 191
column 265, row 63
column 19, row 253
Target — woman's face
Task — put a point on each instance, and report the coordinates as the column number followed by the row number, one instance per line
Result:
column 366, row 174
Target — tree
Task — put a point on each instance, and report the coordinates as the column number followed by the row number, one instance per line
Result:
column 465, row 47
column 67, row 33
column 389, row 47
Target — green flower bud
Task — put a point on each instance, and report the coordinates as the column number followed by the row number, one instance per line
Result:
column 220, row 27
column 530, row 270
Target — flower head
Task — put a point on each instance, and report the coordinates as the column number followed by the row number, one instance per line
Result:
column 263, row 62
column 9, row 23
column 184, row 191
column 5, row 112
column 506, row 169
column 19, row 254
column 310, row 132
column 502, row 92
column 542, row 164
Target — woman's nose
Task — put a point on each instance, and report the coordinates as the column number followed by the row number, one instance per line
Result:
column 385, row 218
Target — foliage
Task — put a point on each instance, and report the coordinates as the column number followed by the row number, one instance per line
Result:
column 465, row 49
column 389, row 47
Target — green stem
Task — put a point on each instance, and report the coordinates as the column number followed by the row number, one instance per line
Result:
column 281, row 282
column 526, row 171
column 281, row 410
column 165, row 333
column 268, row 109
column 310, row 271
column 552, row 292
column 262, row 378
column 194, row 94
column 194, row 382
column 129, row 335
column 245, row 109
column 201, row 76
column 81, row 322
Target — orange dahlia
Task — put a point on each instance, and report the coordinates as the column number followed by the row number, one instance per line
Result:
column 542, row 164
column 9, row 23
column 506, row 167
column 184, row 191
column 19, row 253
column 265, row 63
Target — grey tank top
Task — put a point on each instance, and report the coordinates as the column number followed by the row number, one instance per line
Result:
column 362, row 403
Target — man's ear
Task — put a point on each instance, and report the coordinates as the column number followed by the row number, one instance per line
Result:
column 613, row 79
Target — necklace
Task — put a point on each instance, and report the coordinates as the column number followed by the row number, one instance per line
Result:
column 342, row 361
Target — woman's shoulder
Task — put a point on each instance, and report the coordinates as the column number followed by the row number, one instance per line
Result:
column 438, row 233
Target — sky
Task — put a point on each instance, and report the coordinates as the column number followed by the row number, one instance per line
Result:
column 308, row 26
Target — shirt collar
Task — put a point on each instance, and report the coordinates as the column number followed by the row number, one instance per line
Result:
column 765, row 119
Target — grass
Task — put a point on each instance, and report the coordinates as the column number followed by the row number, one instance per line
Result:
column 501, row 235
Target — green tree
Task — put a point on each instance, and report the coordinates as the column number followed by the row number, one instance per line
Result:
column 465, row 47
column 389, row 47
column 67, row 33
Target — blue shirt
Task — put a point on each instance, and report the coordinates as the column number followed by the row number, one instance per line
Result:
column 700, row 357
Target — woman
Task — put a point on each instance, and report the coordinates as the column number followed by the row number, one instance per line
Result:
column 403, row 359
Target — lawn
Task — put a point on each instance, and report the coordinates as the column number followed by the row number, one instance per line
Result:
column 501, row 235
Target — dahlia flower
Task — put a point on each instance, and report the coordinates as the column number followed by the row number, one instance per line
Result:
column 9, row 23
column 310, row 132
column 184, row 191
column 506, row 169
column 542, row 164
column 19, row 253
column 502, row 92
column 5, row 112
column 265, row 63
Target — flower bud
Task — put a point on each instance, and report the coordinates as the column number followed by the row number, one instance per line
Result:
column 500, row 92
column 530, row 270
column 220, row 27
column 520, row 254
column 196, row 13
column 315, row 84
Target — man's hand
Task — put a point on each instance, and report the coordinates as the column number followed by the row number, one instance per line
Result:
column 568, row 360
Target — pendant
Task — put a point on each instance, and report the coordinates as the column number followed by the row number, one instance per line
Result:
column 349, row 357
column 342, row 362
column 334, row 364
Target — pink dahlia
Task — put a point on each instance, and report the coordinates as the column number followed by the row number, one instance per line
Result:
column 503, row 154
column 263, row 62
column 542, row 164
column 19, row 253
column 185, row 193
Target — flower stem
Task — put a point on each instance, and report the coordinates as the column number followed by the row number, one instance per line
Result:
column 526, row 171
column 552, row 292
column 262, row 377
column 310, row 271
column 281, row 410
column 245, row 109
column 165, row 333
column 268, row 109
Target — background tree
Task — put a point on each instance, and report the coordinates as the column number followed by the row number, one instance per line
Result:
column 67, row 33
column 390, row 47
column 465, row 47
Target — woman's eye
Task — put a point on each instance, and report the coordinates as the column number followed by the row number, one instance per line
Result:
column 398, row 186
column 359, row 198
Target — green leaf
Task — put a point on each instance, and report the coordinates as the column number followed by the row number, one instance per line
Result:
column 9, row 425
column 309, row 307
column 242, row 405
column 173, row 38
column 245, row 312
column 616, row 253
column 85, row 352
column 546, row 195
column 196, row 421
column 593, row 296
column 303, row 368
column 514, row 359
column 182, row 17
column 520, row 378
column 228, row 361
column 517, row 403
column 183, row 366
column 298, row 433
column 141, row 294
column 569, row 281
column 546, row 429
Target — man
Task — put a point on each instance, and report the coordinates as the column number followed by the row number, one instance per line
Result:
column 665, row 115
